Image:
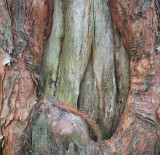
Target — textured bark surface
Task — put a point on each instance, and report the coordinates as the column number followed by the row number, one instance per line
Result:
column 57, row 131
column 138, row 131
column 85, row 62
column 24, row 27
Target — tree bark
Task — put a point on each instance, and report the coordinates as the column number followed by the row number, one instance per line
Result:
column 85, row 63
column 25, row 26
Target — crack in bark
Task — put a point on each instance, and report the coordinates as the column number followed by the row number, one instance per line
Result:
column 146, row 118
column 60, row 54
column 12, row 89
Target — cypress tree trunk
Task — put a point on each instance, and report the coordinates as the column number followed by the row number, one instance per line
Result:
column 77, row 54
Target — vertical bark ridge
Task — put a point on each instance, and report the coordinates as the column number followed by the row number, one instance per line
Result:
column 53, row 50
column 20, row 67
column 139, row 119
column 122, row 76
column 75, row 50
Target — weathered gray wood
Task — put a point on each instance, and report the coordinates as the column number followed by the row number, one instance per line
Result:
column 103, row 65
column 52, row 50
column 80, row 61
column 76, row 48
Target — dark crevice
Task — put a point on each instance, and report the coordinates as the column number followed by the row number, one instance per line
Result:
column 92, row 49
column 120, row 103
column 85, row 72
column 94, row 24
column 118, row 110
column 78, row 101
column 91, row 133
column 61, row 50
column 58, row 68
column 117, row 79
column 79, row 106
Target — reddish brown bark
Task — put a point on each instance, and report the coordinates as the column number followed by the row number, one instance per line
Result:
column 31, row 26
column 139, row 128
column 138, row 131
column 38, row 25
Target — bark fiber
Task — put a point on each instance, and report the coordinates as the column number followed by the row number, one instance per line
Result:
column 77, row 50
